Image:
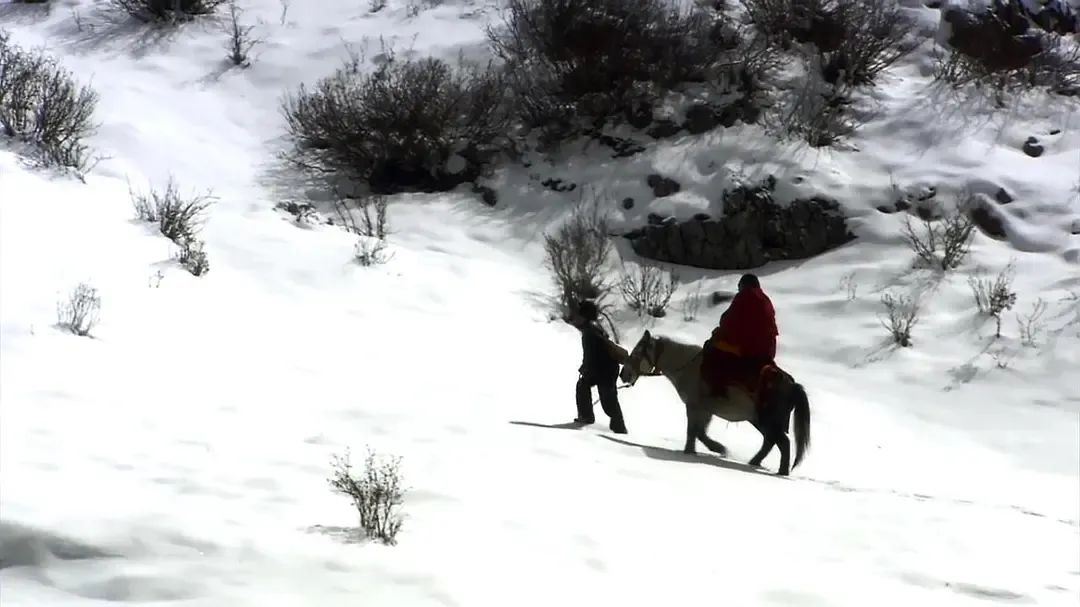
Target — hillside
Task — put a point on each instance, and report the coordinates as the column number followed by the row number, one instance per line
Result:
column 181, row 452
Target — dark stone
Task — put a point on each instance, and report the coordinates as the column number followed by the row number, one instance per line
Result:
column 623, row 148
column 662, row 186
column 487, row 194
column 702, row 217
column 988, row 221
column 1055, row 131
column 1033, row 148
column 1076, row 227
column 655, row 219
column 558, row 185
column 719, row 297
column 752, row 231
column 701, row 118
column 662, row 129
column 1003, row 196
column 627, row 203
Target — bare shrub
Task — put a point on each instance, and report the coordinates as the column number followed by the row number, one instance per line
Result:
column 1031, row 324
column 994, row 298
column 240, row 39
column 193, row 257
column 178, row 217
column 375, row 6
column 648, row 290
column 79, row 313
column 167, row 10
column 578, row 256
column 815, row 113
column 414, row 124
column 692, row 304
column 41, row 104
column 944, row 243
column 855, row 40
column 849, row 286
column 574, row 62
column 377, row 493
column 901, row 316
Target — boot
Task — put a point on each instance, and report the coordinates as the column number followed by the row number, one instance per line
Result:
column 618, row 426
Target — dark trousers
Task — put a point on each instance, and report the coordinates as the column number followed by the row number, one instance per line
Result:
column 609, row 400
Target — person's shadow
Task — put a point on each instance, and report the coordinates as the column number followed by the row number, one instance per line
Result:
column 562, row 426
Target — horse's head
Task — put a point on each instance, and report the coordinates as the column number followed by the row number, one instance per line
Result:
column 642, row 361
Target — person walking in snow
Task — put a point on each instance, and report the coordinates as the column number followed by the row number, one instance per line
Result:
column 599, row 368
column 744, row 341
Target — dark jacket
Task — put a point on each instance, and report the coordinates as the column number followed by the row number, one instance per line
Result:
column 597, row 363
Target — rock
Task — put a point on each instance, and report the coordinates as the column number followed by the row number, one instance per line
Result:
column 1003, row 196
column 662, row 186
column 662, row 129
column 719, row 297
column 1055, row 131
column 701, row 217
column 487, row 194
column 988, row 221
column 655, row 219
column 752, row 231
column 997, row 39
column 701, row 118
column 1076, row 227
column 627, row 203
column 1033, row 148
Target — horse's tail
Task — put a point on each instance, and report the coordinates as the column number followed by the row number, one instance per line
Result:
column 802, row 423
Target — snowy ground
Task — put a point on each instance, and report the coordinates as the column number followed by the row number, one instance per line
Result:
column 181, row 454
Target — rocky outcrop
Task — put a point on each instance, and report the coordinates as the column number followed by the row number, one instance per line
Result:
column 753, row 230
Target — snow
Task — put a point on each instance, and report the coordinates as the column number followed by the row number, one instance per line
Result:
column 181, row 454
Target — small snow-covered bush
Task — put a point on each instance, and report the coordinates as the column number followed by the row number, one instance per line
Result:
column 578, row 256
column 1031, row 324
column 79, row 313
column 42, row 104
column 994, row 298
column 901, row 316
column 377, row 493
column 193, row 258
column 413, row 124
column 167, row 10
column 240, row 40
column 816, row 113
column 943, row 243
column 692, row 304
column 648, row 291
column 575, row 62
column 178, row 217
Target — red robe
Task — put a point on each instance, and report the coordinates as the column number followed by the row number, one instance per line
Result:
column 743, row 343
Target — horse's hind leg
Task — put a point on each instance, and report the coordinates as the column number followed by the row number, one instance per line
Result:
column 710, row 444
column 784, row 445
column 691, row 432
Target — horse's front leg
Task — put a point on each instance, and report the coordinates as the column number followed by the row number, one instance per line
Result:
column 691, row 432
column 712, row 445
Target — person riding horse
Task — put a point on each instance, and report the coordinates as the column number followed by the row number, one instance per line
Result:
column 744, row 341
column 599, row 368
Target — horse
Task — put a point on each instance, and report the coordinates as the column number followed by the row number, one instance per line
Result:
column 681, row 364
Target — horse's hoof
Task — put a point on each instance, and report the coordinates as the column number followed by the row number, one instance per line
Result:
column 689, row 452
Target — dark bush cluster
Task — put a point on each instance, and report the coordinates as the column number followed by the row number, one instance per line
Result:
column 413, row 124
column 167, row 10
column 42, row 104
column 999, row 48
column 573, row 61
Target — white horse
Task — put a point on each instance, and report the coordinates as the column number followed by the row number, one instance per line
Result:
column 681, row 364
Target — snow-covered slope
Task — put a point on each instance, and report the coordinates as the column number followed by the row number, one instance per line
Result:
column 182, row 453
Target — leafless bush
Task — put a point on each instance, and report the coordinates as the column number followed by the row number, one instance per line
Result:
column 692, row 304
column 901, row 316
column 994, row 298
column 40, row 103
column 414, row 124
column 855, row 40
column 996, row 49
column 167, row 10
column 370, row 251
column 79, row 313
column 240, row 39
column 815, row 113
column 944, row 243
column 572, row 61
column 849, row 286
column 193, row 257
column 377, row 493
column 578, row 256
column 375, row 6
column 1031, row 324
column 648, row 290
column 179, row 218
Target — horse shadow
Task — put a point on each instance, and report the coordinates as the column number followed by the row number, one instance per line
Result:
column 672, row 455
